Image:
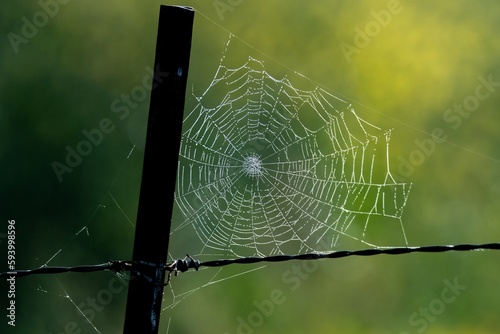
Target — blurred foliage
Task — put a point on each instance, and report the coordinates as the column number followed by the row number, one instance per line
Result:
column 422, row 61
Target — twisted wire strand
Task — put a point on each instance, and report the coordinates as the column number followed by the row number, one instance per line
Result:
column 189, row 263
column 346, row 253
column 115, row 266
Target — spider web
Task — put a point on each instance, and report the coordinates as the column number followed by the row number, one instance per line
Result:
column 270, row 165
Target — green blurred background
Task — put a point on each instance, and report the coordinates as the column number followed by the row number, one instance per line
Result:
column 416, row 65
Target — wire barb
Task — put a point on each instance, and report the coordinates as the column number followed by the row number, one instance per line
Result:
column 181, row 265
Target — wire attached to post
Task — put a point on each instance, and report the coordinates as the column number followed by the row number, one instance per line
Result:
column 183, row 265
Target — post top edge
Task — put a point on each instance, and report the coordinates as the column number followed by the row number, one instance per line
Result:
column 180, row 7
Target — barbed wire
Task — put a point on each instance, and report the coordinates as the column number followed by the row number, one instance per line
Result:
column 182, row 265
